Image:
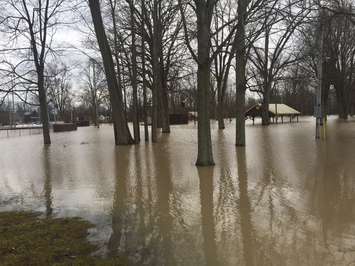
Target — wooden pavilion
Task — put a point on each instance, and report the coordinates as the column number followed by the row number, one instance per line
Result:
column 276, row 111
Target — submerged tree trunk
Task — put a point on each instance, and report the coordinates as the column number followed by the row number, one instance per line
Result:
column 343, row 108
column 156, row 73
column 145, row 115
column 122, row 133
column 136, row 132
column 164, row 91
column 265, row 118
column 204, row 14
column 240, row 74
column 204, row 156
column 325, row 97
column 220, row 104
column 240, row 116
column 165, row 108
column 342, row 100
column 93, row 90
column 43, row 107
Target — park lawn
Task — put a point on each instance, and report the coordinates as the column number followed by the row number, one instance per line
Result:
column 27, row 239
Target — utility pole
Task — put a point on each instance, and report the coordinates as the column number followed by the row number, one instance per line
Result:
column 13, row 118
column 318, row 102
column 13, row 110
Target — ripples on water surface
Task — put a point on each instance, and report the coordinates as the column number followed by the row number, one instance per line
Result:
column 284, row 200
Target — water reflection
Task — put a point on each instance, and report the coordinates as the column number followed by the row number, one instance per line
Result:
column 120, row 203
column 247, row 232
column 207, row 217
column 146, row 209
column 283, row 200
column 164, row 203
column 48, row 181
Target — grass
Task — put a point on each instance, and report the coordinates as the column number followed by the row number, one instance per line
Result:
column 27, row 239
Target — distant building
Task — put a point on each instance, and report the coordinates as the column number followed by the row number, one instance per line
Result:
column 179, row 115
column 31, row 117
column 193, row 115
column 4, row 118
column 276, row 110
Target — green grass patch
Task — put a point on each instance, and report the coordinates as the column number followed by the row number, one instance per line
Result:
column 27, row 239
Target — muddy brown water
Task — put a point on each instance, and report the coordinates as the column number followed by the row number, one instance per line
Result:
column 285, row 199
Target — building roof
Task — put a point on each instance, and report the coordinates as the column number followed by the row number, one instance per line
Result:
column 282, row 109
column 274, row 109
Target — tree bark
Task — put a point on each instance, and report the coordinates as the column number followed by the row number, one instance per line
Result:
column 136, row 132
column 121, row 130
column 204, row 156
column 342, row 99
column 240, row 74
column 164, row 90
column 145, row 115
column 220, row 104
column 265, row 119
column 43, row 106
column 165, row 107
column 156, row 73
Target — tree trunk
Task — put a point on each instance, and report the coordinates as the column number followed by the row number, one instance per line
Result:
column 95, row 114
column 164, row 94
column 145, row 115
column 165, row 109
column 156, row 73
column 204, row 156
column 343, row 109
column 342, row 100
column 240, row 74
column 136, row 132
column 122, row 133
column 265, row 118
column 94, row 96
column 220, row 105
column 43, row 107
column 240, row 117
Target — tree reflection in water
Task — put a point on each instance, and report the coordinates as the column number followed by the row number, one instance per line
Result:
column 247, row 232
column 48, row 181
column 148, row 227
column 207, row 218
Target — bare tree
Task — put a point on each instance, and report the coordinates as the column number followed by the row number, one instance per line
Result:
column 203, row 10
column 280, row 23
column 121, row 130
column 241, row 61
column 95, row 88
column 34, row 23
column 59, row 88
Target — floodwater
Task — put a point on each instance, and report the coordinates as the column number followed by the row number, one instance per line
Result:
column 285, row 199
